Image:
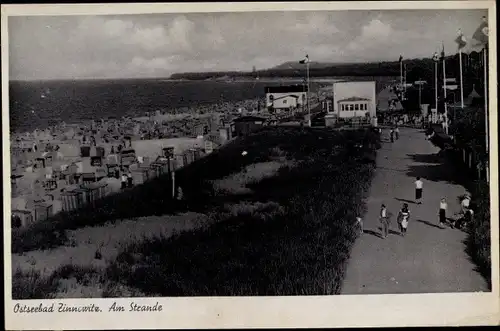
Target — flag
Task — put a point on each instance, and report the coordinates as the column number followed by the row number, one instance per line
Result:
column 305, row 60
column 435, row 57
column 460, row 40
column 401, row 58
column 481, row 34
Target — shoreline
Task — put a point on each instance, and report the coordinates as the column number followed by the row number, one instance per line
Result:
column 190, row 112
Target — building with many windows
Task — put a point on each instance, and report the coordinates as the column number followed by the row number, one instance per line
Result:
column 352, row 100
column 353, row 107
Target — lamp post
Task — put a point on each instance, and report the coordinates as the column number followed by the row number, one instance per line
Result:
column 420, row 94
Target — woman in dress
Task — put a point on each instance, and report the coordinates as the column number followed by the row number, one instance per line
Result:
column 403, row 219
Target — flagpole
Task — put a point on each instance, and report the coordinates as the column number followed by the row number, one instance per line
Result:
column 436, row 84
column 420, row 94
column 404, row 80
column 307, row 95
column 445, row 103
column 401, row 72
column 461, row 80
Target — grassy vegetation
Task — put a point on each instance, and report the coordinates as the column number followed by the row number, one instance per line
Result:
column 68, row 281
column 31, row 285
column 289, row 233
column 299, row 249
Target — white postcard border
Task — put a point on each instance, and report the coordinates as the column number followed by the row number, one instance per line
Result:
column 274, row 312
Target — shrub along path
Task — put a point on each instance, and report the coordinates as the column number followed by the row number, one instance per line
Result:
column 429, row 259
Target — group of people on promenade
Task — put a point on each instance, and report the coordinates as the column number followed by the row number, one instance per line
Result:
column 394, row 133
column 402, row 120
column 465, row 216
column 461, row 219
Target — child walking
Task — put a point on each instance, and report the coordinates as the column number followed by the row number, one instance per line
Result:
column 442, row 212
column 418, row 190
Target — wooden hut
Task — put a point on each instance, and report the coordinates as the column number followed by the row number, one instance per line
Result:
column 127, row 157
column 140, row 175
column 85, row 151
column 21, row 218
column 72, row 200
column 89, row 177
column 43, row 210
column 96, row 161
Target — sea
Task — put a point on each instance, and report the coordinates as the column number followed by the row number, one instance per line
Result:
column 40, row 104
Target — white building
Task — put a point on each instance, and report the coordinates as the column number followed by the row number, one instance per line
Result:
column 286, row 97
column 285, row 101
column 353, row 107
column 354, row 99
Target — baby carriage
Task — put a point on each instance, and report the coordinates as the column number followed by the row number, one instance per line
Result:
column 463, row 219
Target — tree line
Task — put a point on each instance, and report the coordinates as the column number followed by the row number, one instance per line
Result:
column 416, row 69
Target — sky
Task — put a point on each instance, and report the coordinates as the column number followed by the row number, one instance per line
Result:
column 158, row 45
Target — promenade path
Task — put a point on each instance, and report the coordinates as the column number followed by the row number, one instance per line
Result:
column 429, row 259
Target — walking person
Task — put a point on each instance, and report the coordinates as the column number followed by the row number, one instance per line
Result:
column 359, row 225
column 392, row 135
column 384, row 220
column 124, row 181
column 396, row 131
column 465, row 203
column 443, row 206
column 466, row 219
column 129, row 179
column 403, row 219
column 418, row 190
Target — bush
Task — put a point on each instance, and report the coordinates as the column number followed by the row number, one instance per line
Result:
column 478, row 240
column 31, row 285
column 300, row 250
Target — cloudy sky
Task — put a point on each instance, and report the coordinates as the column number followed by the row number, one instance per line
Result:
column 157, row 45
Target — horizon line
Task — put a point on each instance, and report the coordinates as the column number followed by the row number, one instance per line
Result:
column 222, row 71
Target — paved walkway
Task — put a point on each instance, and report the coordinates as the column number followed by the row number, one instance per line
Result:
column 429, row 259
